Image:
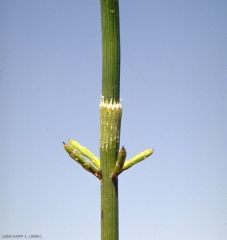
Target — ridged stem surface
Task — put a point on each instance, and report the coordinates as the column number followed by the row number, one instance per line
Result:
column 110, row 49
column 110, row 117
column 109, row 146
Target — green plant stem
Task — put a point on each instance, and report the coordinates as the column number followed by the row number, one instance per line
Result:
column 110, row 49
column 110, row 117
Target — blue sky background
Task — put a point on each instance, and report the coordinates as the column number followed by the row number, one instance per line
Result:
column 173, row 91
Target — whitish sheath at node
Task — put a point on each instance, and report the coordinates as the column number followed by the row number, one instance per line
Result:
column 110, row 121
column 111, row 104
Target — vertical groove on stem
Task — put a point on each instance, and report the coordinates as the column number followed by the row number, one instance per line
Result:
column 110, row 117
column 110, row 124
column 110, row 49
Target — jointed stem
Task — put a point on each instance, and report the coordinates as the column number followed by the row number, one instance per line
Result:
column 109, row 144
column 112, row 161
column 110, row 117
